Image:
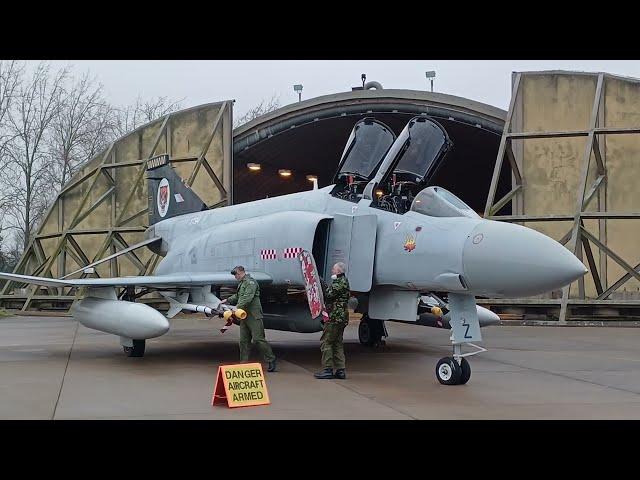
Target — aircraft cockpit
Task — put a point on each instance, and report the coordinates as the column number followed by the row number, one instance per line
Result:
column 366, row 147
column 390, row 171
column 411, row 162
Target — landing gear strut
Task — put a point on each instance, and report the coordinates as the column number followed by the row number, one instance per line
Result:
column 371, row 331
column 456, row 370
column 137, row 350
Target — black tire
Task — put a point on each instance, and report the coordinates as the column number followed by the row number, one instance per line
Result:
column 370, row 331
column 137, row 350
column 448, row 371
column 465, row 371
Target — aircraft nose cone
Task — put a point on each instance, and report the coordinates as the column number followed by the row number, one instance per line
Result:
column 510, row 260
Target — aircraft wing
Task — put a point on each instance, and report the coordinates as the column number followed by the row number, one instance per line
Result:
column 174, row 280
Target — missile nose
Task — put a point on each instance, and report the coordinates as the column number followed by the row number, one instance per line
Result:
column 510, row 260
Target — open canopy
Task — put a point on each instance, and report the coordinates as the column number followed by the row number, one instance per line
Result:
column 367, row 145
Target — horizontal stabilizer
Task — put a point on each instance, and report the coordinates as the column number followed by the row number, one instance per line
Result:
column 116, row 255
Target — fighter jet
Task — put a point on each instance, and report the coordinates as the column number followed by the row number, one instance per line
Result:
column 407, row 246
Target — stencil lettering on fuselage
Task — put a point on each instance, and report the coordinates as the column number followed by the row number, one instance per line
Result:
column 227, row 255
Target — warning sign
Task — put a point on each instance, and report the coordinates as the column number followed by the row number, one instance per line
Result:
column 241, row 385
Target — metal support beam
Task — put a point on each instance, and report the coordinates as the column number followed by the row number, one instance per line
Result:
column 531, row 135
column 592, row 191
column 130, row 254
column 214, row 177
column 592, row 265
column 504, row 200
column 76, row 258
column 135, row 215
column 501, row 149
column 513, row 163
column 598, row 154
column 565, row 238
column 97, row 203
column 205, row 149
column 615, row 257
column 62, row 240
column 582, row 185
column 621, row 281
column 141, row 169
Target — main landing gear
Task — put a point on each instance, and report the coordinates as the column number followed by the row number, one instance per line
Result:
column 137, row 350
column 456, row 370
column 371, row 331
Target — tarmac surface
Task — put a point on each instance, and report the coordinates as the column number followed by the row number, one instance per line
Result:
column 54, row 368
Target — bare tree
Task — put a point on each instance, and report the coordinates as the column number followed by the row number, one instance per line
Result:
column 10, row 73
column 262, row 108
column 143, row 111
column 24, row 163
column 83, row 126
column 50, row 125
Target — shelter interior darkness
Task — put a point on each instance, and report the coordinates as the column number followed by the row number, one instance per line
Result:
column 315, row 149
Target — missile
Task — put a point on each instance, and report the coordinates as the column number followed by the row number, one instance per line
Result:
column 127, row 319
column 437, row 319
column 225, row 311
column 485, row 317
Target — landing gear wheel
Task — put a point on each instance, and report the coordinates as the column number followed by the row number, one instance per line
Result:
column 137, row 350
column 465, row 373
column 448, row 371
column 370, row 331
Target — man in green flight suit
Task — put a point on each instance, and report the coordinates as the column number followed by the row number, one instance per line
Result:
column 251, row 328
column 336, row 297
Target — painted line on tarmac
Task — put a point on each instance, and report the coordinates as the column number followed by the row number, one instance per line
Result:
column 75, row 334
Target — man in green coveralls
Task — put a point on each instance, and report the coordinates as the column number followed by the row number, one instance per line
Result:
column 336, row 297
column 248, row 299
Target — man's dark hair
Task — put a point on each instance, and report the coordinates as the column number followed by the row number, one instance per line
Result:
column 237, row 269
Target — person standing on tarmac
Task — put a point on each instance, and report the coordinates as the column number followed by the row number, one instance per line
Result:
column 251, row 328
column 336, row 297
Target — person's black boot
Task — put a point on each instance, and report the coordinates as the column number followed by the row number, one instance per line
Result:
column 341, row 374
column 326, row 373
column 272, row 366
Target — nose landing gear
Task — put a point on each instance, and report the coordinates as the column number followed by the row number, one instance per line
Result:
column 456, row 370
column 465, row 328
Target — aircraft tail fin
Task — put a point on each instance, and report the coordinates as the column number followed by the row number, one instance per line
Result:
column 169, row 196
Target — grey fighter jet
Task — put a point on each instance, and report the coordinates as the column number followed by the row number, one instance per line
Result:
column 414, row 253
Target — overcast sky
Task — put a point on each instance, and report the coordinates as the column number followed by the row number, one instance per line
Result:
column 250, row 81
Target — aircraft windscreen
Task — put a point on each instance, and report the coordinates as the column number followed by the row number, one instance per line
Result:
column 452, row 199
column 426, row 140
column 367, row 146
column 438, row 202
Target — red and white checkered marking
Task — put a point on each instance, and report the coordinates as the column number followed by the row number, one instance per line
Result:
column 268, row 254
column 292, row 252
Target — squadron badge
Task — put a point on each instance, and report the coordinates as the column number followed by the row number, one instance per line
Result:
column 163, row 197
column 409, row 243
